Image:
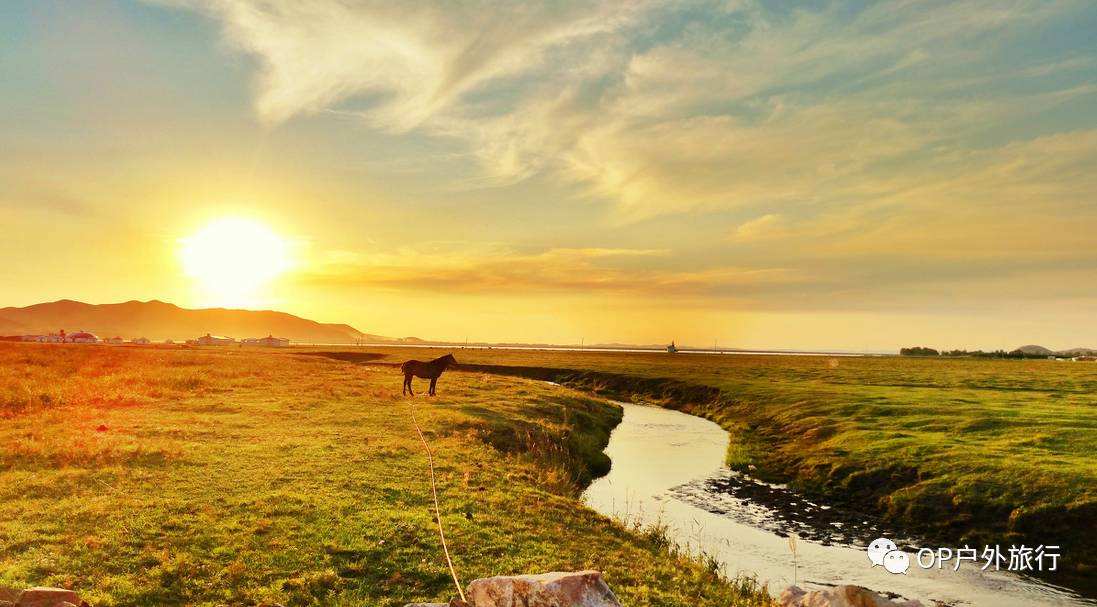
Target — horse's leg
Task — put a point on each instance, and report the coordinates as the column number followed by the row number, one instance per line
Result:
column 410, row 391
column 404, row 391
column 433, row 382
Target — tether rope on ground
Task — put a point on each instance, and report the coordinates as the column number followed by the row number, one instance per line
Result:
column 437, row 509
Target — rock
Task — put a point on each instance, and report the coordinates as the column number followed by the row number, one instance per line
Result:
column 4, row 603
column 791, row 596
column 839, row 596
column 46, row 597
column 557, row 589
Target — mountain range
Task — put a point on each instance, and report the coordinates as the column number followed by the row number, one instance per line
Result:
column 1042, row 351
column 157, row 320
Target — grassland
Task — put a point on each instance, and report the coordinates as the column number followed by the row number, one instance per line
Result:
column 144, row 476
column 958, row 450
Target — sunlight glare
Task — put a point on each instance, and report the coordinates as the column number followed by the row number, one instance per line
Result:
column 232, row 258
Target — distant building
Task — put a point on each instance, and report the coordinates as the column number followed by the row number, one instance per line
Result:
column 141, row 341
column 115, row 340
column 214, row 340
column 52, row 338
column 672, row 348
column 269, row 341
column 83, row 337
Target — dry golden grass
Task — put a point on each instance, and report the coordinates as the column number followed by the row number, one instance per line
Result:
column 143, row 476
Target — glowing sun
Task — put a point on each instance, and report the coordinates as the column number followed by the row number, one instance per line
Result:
column 232, row 258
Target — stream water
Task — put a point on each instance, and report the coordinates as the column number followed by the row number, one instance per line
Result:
column 668, row 470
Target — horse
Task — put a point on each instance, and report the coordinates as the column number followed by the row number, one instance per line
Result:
column 430, row 370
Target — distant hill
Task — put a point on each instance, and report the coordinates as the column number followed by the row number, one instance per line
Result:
column 1042, row 351
column 1078, row 352
column 158, row 320
column 1038, row 350
column 10, row 327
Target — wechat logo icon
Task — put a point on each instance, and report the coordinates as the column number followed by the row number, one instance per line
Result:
column 883, row 552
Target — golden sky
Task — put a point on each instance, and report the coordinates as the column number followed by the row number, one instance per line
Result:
column 764, row 174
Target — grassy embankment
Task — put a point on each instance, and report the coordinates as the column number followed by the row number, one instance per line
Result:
column 982, row 451
column 144, row 476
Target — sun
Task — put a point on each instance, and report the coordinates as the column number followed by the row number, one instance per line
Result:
column 232, row 259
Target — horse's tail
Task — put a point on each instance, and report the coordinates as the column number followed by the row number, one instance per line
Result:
column 404, row 367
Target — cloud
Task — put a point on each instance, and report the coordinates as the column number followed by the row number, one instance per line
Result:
column 658, row 107
column 45, row 198
column 837, row 141
column 410, row 61
column 461, row 268
column 895, row 281
column 766, row 226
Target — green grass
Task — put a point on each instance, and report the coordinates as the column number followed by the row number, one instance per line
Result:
column 960, row 450
column 143, row 476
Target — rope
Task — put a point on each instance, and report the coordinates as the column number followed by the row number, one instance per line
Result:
column 437, row 510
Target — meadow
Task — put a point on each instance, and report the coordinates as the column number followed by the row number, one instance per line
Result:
column 953, row 450
column 172, row 476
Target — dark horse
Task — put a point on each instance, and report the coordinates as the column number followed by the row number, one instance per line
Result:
column 432, row 371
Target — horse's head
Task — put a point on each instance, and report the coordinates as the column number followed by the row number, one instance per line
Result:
column 450, row 360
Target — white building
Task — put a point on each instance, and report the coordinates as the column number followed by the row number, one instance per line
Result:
column 269, row 341
column 115, row 340
column 214, row 340
column 141, row 341
column 83, row 337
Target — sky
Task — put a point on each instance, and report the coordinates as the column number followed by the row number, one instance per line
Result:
column 840, row 175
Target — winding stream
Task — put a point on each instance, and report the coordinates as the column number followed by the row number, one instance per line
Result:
column 668, row 469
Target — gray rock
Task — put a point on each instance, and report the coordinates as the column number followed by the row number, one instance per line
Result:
column 840, row 596
column 556, row 589
column 41, row 596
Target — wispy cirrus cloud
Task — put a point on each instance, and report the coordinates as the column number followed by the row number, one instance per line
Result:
column 726, row 107
column 408, row 62
column 460, row 268
column 895, row 280
column 830, row 131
